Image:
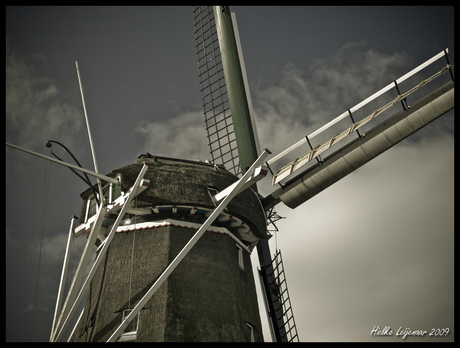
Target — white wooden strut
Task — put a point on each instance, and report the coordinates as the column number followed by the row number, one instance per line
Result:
column 79, row 273
column 89, row 130
column 258, row 174
column 73, row 300
column 233, row 192
column 70, row 241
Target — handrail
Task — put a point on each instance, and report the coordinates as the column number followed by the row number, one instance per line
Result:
column 359, row 105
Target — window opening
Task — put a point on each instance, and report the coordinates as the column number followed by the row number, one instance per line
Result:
column 92, row 207
column 111, row 192
column 116, row 191
column 132, row 326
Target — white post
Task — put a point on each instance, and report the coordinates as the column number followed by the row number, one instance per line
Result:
column 70, row 241
column 72, row 334
column 89, row 134
column 259, row 173
column 80, row 272
column 188, row 246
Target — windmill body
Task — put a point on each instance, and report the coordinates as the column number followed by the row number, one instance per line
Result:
column 211, row 295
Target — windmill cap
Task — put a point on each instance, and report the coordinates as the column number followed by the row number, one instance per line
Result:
column 178, row 182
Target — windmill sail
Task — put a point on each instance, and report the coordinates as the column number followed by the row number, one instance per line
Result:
column 232, row 139
column 280, row 285
column 301, row 161
column 356, row 153
column 217, row 114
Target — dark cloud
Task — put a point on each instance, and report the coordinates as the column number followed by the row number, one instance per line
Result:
column 35, row 108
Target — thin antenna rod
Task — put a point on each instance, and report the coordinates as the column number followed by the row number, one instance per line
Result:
column 89, row 132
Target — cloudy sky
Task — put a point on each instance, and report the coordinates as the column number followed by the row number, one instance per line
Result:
column 375, row 249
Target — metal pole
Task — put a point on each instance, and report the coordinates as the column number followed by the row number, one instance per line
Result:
column 237, row 96
column 70, row 241
column 90, row 172
column 78, row 277
column 240, row 105
column 89, row 132
column 72, row 334
column 447, row 59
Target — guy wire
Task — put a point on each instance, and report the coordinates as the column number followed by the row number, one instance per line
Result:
column 37, row 286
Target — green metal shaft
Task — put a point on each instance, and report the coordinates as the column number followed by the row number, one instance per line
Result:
column 246, row 141
column 244, row 132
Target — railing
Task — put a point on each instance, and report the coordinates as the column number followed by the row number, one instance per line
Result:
column 301, row 161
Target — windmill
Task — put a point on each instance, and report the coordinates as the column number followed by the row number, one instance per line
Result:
column 225, row 91
column 274, row 198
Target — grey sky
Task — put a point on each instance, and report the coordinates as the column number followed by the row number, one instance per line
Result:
column 374, row 249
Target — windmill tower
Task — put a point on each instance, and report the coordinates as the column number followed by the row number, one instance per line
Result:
column 182, row 203
column 211, row 294
column 160, row 201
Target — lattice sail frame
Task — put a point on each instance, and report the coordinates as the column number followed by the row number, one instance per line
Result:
column 217, row 114
column 283, row 294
